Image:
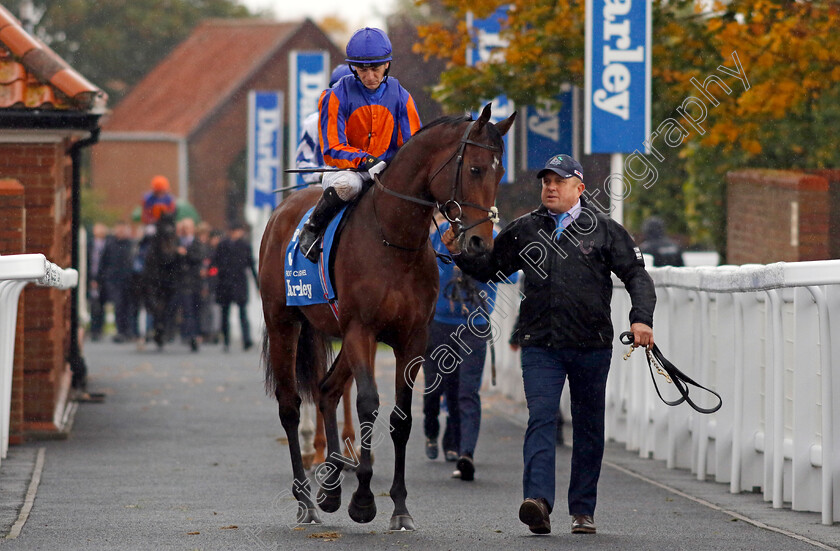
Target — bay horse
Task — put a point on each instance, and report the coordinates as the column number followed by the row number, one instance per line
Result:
column 386, row 282
column 161, row 273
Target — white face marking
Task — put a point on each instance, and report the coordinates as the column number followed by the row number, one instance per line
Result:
column 495, row 164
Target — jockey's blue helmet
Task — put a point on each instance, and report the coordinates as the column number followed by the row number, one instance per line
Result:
column 338, row 72
column 368, row 46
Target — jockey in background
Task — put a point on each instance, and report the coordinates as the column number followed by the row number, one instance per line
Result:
column 308, row 154
column 363, row 121
column 157, row 201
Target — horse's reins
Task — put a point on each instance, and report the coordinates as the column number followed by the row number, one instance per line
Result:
column 444, row 209
column 656, row 360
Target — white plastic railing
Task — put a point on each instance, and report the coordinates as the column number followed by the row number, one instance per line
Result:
column 16, row 271
column 761, row 336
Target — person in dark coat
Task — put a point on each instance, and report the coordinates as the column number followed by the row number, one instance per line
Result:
column 192, row 252
column 234, row 259
column 96, row 293
column 568, row 252
column 116, row 269
column 665, row 251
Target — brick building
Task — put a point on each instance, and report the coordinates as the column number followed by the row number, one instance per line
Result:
column 782, row 216
column 187, row 119
column 48, row 114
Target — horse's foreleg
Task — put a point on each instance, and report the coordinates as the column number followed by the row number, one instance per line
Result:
column 409, row 362
column 328, row 474
column 282, row 349
column 361, row 347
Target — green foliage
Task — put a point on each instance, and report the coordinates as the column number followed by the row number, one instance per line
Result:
column 115, row 43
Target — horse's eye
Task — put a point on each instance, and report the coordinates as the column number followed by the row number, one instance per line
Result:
column 475, row 170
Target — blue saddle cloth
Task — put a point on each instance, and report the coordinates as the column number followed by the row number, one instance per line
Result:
column 309, row 282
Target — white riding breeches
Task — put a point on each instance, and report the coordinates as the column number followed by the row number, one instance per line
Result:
column 347, row 183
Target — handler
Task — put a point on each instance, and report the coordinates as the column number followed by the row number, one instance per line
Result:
column 567, row 251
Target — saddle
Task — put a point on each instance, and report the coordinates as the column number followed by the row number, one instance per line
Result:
column 657, row 360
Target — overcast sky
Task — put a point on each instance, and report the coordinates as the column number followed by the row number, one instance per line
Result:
column 356, row 13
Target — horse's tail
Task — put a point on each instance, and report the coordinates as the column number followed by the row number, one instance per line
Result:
column 314, row 351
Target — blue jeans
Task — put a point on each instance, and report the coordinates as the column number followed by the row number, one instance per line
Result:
column 460, row 386
column 440, row 382
column 544, row 372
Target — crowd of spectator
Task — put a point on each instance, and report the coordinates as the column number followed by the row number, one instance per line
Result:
column 115, row 260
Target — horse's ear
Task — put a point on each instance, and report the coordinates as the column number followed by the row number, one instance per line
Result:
column 483, row 118
column 505, row 125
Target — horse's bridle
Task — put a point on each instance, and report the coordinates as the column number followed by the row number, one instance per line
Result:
column 452, row 203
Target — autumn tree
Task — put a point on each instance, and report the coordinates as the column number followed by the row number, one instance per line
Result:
column 785, row 119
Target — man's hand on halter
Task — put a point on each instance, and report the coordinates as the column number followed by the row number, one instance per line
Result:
column 642, row 335
column 450, row 241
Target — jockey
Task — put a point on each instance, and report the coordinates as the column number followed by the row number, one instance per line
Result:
column 157, row 201
column 363, row 121
column 308, row 153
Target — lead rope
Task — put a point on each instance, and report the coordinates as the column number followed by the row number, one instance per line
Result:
column 656, row 360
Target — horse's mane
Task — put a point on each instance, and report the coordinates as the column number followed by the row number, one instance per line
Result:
column 454, row 120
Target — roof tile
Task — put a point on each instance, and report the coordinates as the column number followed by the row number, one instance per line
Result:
column 33, row 76
column 190, row 83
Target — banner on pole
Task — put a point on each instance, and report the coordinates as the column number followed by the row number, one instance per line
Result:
column 309, row 75
column 265, row 147
column 488, row 47
column 548, row 131
column 618, row 65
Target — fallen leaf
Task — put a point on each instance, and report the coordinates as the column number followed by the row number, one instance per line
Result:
column 193, row 533
column 326, row 536
column 231, row 527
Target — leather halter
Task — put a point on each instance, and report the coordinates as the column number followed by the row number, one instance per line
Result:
column 452, row 203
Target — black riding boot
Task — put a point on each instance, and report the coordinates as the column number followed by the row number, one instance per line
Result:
column 327, row 207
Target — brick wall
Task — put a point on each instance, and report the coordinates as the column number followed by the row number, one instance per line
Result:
column 44, row 171
column 776, row 216
column 12, row 238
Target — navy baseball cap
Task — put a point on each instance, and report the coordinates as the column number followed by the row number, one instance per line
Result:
column 563, row 165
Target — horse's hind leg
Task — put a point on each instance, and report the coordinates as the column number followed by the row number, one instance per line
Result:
column 282, row 343
column 307, row 433
column 348, row 434
column 409, row 361
column 328, row 475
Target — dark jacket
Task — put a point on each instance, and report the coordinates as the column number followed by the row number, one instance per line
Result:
column 568, row 285
column 233, row 259
column 191, row 264
column 116, row 264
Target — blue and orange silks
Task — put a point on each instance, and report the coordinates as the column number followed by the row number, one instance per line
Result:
column 355, row 122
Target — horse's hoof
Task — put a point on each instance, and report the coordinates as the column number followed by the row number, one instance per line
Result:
column 401, row 522
column 329, row 502
column 308, row 515
column 362, row 513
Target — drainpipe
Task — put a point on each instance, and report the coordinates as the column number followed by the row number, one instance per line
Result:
column 78, row 367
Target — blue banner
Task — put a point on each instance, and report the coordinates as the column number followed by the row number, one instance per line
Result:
column 618, row 64
column 549, row 131
column 488, row 47
column 309, row 75
column 265, row 147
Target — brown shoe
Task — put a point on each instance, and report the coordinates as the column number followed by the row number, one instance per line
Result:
column 583, row 524
column 534, row 513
